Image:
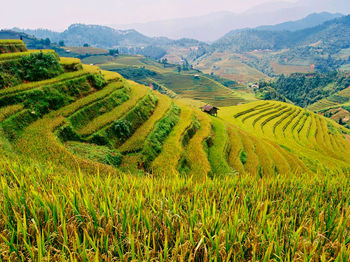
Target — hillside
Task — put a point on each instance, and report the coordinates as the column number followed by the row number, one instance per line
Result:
column 310, row 89
column 321, row 48
column 98, row 167
column 330, row 35
column 85, row 116
column 179, row 81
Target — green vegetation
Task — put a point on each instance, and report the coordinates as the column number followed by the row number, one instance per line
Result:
column 32, row 67
column 155, row 140
column 96, row 153
column 306, row 89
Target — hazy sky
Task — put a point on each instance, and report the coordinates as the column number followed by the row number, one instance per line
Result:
column 60, row 14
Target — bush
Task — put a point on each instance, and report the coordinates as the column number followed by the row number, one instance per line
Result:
column 32, row 67
column 114, row 158
column 122, row 129
column 67, row 133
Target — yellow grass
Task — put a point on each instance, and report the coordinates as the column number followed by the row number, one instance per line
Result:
column 137, row 93
column 10, row 56
column 38, row 141
column 167, row 161
column 252, row 164
column 136, row 141
column 7, row 111
column 108, row 75
column 69, row 60
column 235, row 150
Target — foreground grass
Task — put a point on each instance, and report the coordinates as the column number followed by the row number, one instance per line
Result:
column 47, row 215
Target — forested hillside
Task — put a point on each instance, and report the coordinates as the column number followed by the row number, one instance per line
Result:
column 307, row 89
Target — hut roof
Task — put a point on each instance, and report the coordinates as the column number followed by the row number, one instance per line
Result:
column 208, row 108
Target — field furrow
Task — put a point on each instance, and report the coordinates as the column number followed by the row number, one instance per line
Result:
column 88, row 100
column 137, row 93
column 196, row 157
column 281, row 119
column 236, row 148
column 33, row 85
column 172, row 150
column 272, row 117
column 136, row 141
column 258, row 112
column 242, row 113
column 290, row 121
column 261, row 116
column 219, row 149
column 248, row 155
column 7, row 111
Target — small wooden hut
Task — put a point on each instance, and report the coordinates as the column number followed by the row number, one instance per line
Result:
column 209, row 109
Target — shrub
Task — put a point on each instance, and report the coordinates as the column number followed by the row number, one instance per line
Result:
column 122, row 129
column 243, row 156
column 114, row 158
column 67, row 133
column 32, row 67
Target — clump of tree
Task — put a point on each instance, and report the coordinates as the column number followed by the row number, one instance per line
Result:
column 306, row 89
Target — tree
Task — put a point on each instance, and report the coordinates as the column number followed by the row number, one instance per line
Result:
column 164, row 61
column 114, row 52
column 47, row 42
column 61, row 43
column 178, row 68
column 86, row 45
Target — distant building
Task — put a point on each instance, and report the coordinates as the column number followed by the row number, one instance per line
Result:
column 196, row 76
column 209, row 109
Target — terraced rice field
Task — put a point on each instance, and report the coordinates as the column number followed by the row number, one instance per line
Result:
column 310, row 137
column 17, row 55
column 12, row 46
column 88, row 109
column 332, row 101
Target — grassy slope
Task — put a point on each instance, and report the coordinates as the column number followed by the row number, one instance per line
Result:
column 228, row 66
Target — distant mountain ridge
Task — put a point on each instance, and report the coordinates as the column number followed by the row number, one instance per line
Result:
column 212, row 26
column 311, row 20
column 331, row 34
column 96, row 35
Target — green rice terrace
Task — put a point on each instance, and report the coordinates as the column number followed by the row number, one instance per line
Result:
column 97, row 167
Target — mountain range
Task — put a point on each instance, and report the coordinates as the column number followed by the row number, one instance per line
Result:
column 332, row 34
column 210, row 27
column 107, row 37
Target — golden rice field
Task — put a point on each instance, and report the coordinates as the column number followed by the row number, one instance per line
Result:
column 12, row 46
column 315, row 142
column 95, row 167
